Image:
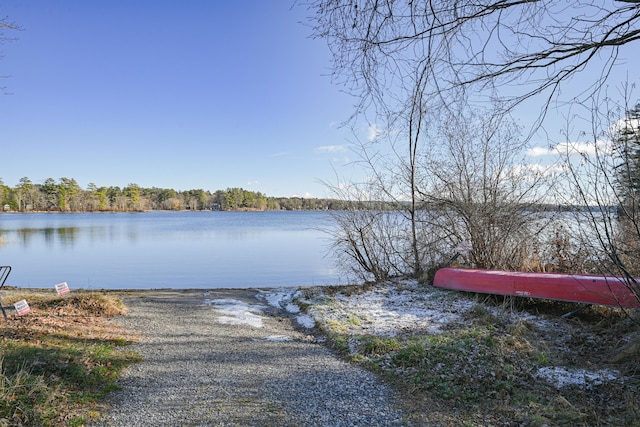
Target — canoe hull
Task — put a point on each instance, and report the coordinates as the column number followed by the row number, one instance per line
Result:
column 611, row 291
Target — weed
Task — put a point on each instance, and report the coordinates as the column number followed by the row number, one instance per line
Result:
column 482, row 315
column 303, row 303
column 87, row 303
column 77, row 422
column 336, row 326
column 354, row 320
column 543, row 359
column 372, row 345
column 520, row 329
column 24, row 396
column 341, row 344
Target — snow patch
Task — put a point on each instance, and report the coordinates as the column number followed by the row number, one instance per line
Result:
column 234, row 312
column 562, row 377
column 282, row 299
column 278, row 338
column 306, row 321
column 292, row 308
column 390, row 310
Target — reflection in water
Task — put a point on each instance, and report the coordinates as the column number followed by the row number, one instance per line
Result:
column 65, row 236
column 167, row 249
column 51, row 236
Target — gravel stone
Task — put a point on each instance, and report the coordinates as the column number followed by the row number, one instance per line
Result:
column 200, row 372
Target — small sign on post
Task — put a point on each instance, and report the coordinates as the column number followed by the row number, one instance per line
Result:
column 62, row 288
column 22, row 307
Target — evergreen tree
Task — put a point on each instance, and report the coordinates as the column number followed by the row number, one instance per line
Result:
column 627, row 148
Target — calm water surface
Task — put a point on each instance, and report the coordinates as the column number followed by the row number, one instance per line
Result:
column 167, row 249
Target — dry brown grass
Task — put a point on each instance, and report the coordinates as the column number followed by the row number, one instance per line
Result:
column 58, row 362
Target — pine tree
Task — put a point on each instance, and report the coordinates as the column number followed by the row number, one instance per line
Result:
column 627, row 147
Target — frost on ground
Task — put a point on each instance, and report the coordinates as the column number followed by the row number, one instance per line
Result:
column 390, row 310
column 278, row 338
column 561, row 376
column 393, row 309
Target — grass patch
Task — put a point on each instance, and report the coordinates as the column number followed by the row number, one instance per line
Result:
column 58, row 362
column 478, row 374
column 483, row 370
column 458, row 366
column 378, row 346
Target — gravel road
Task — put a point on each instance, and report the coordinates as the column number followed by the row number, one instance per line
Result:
column 198, row 371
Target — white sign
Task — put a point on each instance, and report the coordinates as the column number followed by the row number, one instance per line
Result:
column 22, row 307
column 62, row 288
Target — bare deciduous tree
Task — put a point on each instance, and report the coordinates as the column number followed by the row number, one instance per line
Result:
column 520, row 48
column 453, row 177
column 483, row 191
column 409, row 61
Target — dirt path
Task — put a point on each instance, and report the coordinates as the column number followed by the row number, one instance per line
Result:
column 198, row 371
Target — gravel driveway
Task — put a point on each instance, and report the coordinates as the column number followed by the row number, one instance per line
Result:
column 199, row 371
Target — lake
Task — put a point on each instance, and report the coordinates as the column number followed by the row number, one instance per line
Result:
column 177, row 250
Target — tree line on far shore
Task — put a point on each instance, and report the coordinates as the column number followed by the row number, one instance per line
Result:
column 65, row 195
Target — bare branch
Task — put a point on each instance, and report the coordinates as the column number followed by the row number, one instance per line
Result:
column 530, row 45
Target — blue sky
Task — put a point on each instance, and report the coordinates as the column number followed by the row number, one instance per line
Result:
column 183, row 95
column 186, row 95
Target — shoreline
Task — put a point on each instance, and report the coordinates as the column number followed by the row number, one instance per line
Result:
column 258, row 336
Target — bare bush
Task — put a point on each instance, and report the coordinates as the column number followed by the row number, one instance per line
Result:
column 484, row 194
column 464, row 183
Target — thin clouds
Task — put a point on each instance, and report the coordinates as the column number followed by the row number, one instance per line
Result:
column 337, row 152
column 373, row 132
column 305, row 195
column 572, row 148
column 330, row 149
column 583, row 148
column 539, row 151
column 589, row 148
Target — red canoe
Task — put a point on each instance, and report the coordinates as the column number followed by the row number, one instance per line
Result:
column 612, row 291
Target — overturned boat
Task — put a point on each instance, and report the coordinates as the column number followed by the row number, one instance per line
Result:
column 603, row 290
